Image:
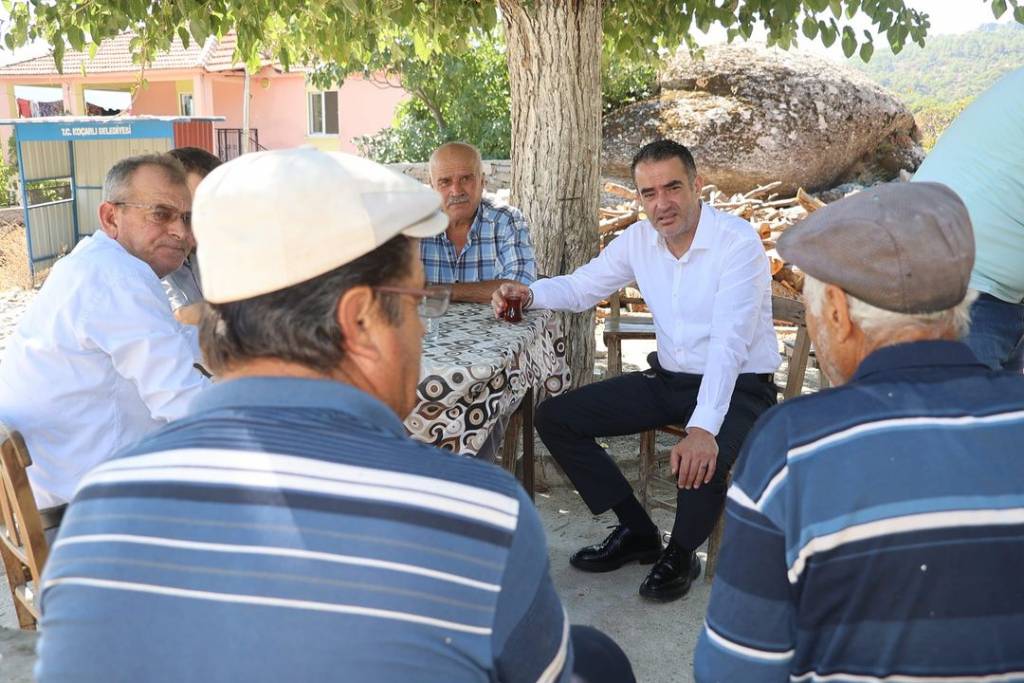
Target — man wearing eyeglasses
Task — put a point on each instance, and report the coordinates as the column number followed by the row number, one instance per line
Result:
column 288, row 529
column 98, row 360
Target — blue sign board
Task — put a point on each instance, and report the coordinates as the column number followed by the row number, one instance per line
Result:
column 103, row 129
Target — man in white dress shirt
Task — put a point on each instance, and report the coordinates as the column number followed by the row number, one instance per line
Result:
column 98, row 360
column 705, row 278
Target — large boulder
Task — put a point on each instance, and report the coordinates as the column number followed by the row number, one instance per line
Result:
column 752, row 115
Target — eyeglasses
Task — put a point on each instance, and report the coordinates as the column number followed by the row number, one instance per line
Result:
column 161, row 214
column 433, row 300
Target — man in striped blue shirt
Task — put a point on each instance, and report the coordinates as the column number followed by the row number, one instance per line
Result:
column 487, row 242
column 875, row 531
column 287, row 529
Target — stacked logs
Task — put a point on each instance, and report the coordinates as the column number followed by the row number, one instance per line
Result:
column 764, row 209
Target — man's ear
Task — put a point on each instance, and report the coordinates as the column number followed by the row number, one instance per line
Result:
column 836, row 313
column 358, row 318
column 698, row 184
column 109, row 219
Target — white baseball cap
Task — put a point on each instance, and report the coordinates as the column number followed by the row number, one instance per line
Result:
column 269, row 220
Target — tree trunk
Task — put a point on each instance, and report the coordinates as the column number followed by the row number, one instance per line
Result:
column 554, row 64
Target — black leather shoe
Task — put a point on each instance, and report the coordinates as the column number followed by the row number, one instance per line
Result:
column 621, row 546
column 671, row 576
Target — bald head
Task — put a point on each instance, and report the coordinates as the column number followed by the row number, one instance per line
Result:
column 457, row 152
column 456, row 173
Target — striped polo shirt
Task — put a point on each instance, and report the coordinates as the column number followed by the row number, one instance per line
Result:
column 875, row 532
column 288, row 529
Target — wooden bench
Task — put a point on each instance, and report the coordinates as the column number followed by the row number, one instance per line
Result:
column 22, row 543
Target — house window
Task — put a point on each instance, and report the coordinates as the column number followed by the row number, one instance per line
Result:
column 323, row 113
column 185, row 104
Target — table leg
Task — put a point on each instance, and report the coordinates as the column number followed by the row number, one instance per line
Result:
column 527, row 408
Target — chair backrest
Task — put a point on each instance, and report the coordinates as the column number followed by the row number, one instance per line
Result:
column 22, row 542
column 792, row 312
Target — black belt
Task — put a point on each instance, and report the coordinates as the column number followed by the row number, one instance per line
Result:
column 51, row 517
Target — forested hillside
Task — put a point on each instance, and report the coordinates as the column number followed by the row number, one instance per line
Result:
column 939, row 80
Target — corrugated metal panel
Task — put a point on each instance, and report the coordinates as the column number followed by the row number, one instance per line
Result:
column 53, row 232
column 151, row 145
column 194, row 134
column 88, row 211
column 45, row 160
column 93, row 158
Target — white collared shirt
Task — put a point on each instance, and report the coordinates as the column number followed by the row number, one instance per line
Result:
column 712, row 307
column 97, row 362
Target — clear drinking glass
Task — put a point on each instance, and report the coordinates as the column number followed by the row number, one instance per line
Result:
column 432, row 307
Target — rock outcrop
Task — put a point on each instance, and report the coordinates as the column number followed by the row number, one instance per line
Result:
column 754, row 115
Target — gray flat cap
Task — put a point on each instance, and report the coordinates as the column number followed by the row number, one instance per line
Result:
column 904, row 247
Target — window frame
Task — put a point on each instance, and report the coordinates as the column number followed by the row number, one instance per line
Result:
column 320, row 96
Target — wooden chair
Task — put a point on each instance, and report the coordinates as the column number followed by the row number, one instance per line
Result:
column 22, row 543
column 619, row 327
column 785, row 311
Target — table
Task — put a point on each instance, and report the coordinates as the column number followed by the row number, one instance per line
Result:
column 479, row 370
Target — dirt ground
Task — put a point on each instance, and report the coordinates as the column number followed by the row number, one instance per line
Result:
column 14, row 270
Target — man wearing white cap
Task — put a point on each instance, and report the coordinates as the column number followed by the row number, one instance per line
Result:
column 287, row 528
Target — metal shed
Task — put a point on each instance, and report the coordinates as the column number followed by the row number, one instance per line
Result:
column 80, row 151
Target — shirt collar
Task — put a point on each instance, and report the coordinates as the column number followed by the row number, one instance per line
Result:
column 474, row 227
column 921, row 354
column 294, row 392
column 702, row 239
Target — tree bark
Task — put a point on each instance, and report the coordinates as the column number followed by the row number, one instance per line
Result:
column 554, row 64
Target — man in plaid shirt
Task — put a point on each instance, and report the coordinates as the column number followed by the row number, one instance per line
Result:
column 487, row 242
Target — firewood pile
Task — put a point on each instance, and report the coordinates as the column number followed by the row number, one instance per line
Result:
column 769, row 213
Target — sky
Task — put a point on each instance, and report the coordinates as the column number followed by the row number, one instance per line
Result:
column 946, row 16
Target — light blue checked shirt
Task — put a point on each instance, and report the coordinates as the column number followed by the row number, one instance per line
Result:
column 498, row 248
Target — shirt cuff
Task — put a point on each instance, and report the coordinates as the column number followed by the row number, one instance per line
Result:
column 706, row 418
column 537, row 289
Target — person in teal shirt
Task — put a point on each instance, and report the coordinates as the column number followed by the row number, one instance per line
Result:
column 981, row 157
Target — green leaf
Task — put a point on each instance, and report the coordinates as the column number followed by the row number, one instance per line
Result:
column 185, row 38
column 1018, row 14
column 810, row 28
column 76, row 38
column 421, row 46
column 837, row 8
column 849, row 42
column 828, row 34
column 58, row 54
column 93, row 47
column 197, row 27
column 352, row 6
column 866, row 50
column 998, row 8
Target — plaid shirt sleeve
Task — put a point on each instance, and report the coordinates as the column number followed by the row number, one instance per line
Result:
column 515, row 251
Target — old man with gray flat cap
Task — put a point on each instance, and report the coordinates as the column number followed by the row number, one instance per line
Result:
column 875, row 531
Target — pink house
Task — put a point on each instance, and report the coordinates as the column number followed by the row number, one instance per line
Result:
column 285, row 110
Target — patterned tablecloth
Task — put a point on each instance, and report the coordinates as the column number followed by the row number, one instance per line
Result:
column 479, row 369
